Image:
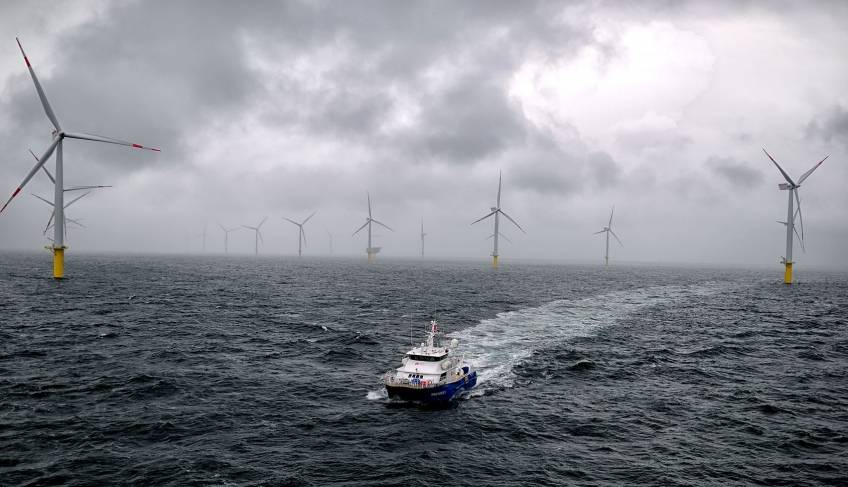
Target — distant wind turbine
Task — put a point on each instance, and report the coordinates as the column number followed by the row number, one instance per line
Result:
column 608, row 230
column 371, row 250
column 86, row 188
column 68, row 219
column 59, row 135
column 227, row 236
column 330, row 237
column 301, row 234
column 792, row 187
column 422, row 236
column 258, row 236
column 496, row 212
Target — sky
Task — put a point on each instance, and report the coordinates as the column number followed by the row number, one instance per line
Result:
column 660, row 109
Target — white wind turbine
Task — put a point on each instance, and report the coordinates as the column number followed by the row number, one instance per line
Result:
column 371, row 250
column 227, row 236
column 59, row 135
column 496, row 212
column 66, row 190
column 792, row 187
column 330, row 237
column 422, row 236
column 301, row 234
column 608, row 230
column 258, row 235
column 64, row 215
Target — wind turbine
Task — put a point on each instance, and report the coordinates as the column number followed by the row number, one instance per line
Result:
column 227, row 236
column 608, row 230
column 422, row 236
column 66, row 190
column 330, row 237
column 258, row 235
column 792, row 187
column 59, row 135
column 64, row 215
column 496, row 212
column 301, row 235
column 372, row 251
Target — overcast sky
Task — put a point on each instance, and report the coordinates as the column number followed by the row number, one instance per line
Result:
column 279, row 109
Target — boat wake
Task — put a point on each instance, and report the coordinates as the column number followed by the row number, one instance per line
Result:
column 496, row 345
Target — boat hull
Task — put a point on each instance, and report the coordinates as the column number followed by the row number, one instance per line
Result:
column 442, row 393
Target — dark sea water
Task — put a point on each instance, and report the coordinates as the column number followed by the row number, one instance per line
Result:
column 241, row 371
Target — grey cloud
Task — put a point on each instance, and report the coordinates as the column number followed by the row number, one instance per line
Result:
column 832, row 125
column 737, row 173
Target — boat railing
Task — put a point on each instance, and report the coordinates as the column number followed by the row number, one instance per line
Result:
column 391, row 379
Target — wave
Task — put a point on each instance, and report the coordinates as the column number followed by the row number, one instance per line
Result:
column 496, row 345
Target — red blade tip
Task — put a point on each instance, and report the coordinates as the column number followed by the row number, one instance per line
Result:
column 139, row 146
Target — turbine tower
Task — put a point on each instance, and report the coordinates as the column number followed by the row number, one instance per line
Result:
column 227, row 236
column 792, row 187
column 330, row 237
column 301, row 235
column 371, row 250
column 59, row 135
column 422, row 236
column 608, row 230
column 496, row 212
column 258, row 236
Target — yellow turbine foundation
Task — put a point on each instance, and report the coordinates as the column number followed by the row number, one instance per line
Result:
column 371, row 257
column 58, row 262
column 787, row 275
column 494, row 261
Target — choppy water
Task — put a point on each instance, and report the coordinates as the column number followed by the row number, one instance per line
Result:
column 241, row 371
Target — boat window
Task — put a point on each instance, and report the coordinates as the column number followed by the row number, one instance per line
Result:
column 427, row 358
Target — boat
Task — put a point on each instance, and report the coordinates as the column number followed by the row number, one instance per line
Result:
column 430, row 372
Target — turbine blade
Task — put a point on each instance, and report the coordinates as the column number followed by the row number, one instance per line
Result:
column 360, row 228
column 609, row 225
column 76, row 199
column 800, row 240
column 250, row 228
column 49, row 222
column 504, row 237
column 32, row 171
column 260, row 236
column 303, row 234
column 510, row 219
column 46, row 104
column 800, row 215
column 500, row 179
column 261, row 223
column 785, row 176
column 599, row 231
column 222, row 227
column 382, row 224
column 807, row 174
column 487, row 216
column 44, row 168
column 42, row 199
column 75, row 222
column 108, row 140
column 616, row 237
column 310, row 216
column 80, row 188
column 291, row 221
column 369, row 204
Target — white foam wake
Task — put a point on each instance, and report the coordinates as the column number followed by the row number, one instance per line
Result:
column 496, row 345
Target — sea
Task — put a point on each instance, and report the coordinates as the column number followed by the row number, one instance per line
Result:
column 242, row 371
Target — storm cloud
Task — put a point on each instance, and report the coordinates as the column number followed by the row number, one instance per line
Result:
column 280, row 108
